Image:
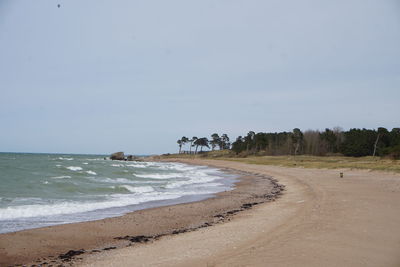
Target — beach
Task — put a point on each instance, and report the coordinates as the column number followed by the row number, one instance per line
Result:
column 53, row 245
column 319, row 220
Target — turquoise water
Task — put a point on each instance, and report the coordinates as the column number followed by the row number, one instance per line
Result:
column 46, row 189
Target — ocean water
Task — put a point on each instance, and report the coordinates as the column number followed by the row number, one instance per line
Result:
column 39, row 190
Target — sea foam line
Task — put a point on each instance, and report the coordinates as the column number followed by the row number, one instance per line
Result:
column 27, row 211
column 74, row 168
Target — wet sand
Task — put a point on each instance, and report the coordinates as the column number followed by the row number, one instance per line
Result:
column 70, row 243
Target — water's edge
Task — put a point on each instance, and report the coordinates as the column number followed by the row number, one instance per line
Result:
column 227, row 179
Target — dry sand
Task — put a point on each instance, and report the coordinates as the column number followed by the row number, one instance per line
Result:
column 321, row 220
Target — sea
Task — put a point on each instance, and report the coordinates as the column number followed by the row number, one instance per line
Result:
column 38, row 190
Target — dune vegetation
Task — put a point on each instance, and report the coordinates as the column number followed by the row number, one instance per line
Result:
column 304, row 161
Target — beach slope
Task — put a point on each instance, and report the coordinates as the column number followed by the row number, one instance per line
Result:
column 321, row 220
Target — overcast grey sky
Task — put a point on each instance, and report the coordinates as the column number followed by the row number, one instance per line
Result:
column 102, row 76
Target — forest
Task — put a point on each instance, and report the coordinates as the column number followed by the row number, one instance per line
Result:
column 354, row 142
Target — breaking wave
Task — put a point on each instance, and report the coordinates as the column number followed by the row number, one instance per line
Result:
column 58, row 193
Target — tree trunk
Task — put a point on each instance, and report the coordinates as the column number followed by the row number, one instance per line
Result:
column 296, row 149
column 195, row 152
column 376, row 143
column 180, row 148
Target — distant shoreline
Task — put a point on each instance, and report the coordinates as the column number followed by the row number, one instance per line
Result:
column 35, row 246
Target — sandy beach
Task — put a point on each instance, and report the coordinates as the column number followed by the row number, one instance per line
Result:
column 65, row 244
column 199, row 133
column 320, row 220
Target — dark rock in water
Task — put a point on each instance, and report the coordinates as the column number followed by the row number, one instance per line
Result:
column 117, row 156
column 134, row 158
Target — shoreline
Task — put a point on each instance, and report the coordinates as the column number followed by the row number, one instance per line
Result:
column 320, row 220
column 62, row 244
column 227, row 180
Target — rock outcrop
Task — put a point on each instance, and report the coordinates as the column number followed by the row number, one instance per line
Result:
column 117, row 156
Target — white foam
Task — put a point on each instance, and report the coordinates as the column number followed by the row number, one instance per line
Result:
column 138, row 189
column 61, row 158
column 85, row 163
column 61, row 177
column 120, row 200
column 111, row 180
column 137, row 165
column 208, row 185
column 178, row 184
column 178, row 180
column 159, row 176
column 148, row 163
column 117, row 165
column 73, row 168
column 189, row 182
column 197, row 192
column 178, row 167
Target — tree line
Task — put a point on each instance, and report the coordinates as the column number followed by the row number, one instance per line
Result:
column 354, row 142
column 222, row 142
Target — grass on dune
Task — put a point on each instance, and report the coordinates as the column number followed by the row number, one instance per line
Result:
column 335, row 162
column 328, row 162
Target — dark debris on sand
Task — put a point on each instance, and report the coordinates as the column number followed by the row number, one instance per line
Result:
column 70, row 254
column 275, row 193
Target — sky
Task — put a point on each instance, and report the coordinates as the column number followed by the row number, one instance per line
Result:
column 100, row 76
